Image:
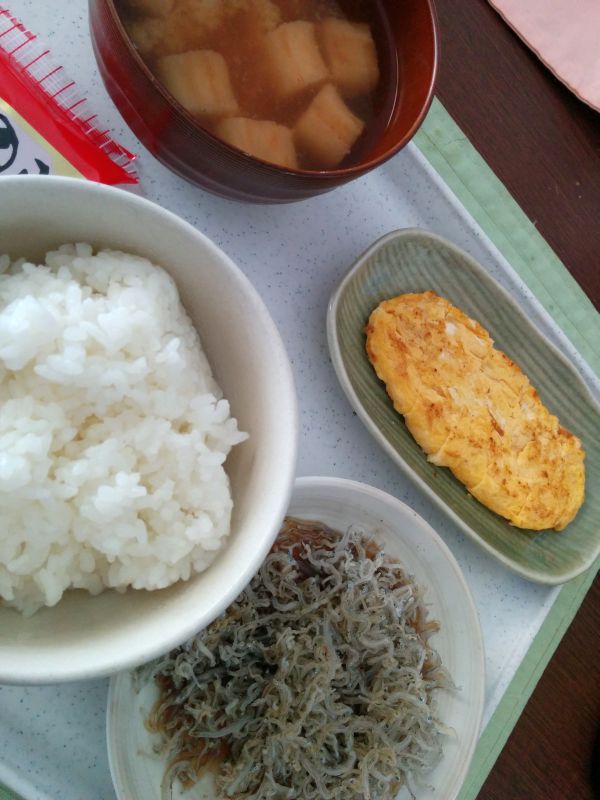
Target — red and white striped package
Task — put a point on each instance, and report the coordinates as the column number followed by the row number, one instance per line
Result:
column 46, row 124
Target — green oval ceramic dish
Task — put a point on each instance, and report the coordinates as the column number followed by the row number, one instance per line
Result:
column 413, row 261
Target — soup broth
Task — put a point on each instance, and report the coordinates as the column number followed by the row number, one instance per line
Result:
column 300, row 83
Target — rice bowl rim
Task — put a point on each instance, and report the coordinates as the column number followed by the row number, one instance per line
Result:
column 48, row 666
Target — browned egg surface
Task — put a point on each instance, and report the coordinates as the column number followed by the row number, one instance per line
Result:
column 293, row 82
column 473, row 410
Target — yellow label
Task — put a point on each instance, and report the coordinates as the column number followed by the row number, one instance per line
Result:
column 24, row 152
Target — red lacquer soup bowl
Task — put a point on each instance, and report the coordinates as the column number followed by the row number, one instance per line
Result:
column 408, row 46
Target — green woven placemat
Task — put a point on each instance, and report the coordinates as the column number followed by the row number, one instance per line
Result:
column 461, row 167
column 488, row 201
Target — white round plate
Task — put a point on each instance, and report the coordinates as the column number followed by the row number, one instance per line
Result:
column 136, row 770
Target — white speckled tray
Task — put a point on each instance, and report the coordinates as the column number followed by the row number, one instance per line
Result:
column 52, row 741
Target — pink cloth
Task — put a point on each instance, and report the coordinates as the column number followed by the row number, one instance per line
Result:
column 565, row 34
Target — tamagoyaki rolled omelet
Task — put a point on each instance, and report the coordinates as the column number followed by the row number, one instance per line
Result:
column 473, row 410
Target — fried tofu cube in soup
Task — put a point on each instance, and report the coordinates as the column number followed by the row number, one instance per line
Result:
column 146, row 35
column 293, row 61
column 152, row 8
column 350, row 54
column 260, row 138
column 264, row 15
column 156, row 37
column 199, row 80
column 328, row 129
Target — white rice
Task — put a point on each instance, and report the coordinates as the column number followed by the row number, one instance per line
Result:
column 113, row 433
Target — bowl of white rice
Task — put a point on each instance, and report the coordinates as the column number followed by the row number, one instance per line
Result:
column 148, row 430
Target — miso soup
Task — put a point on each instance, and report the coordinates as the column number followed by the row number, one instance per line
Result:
column 294, row 82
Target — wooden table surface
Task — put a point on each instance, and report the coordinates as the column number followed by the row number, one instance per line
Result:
column 544, row 145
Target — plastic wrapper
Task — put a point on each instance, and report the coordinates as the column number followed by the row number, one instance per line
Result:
column 46, row 125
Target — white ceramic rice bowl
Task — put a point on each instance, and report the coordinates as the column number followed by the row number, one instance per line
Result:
column 85, row 636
